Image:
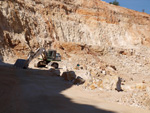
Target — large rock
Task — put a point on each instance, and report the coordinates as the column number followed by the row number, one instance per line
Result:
column 79, row 80
column 55, row 72
column 69, row 76
column 107, row 83
column 85, row 74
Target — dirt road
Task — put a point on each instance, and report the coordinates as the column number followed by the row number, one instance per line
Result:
column 39, row 91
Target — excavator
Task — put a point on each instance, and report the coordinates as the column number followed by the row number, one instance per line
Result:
column 50, row 57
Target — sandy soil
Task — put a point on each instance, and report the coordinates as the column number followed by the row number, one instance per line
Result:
column 39, row 91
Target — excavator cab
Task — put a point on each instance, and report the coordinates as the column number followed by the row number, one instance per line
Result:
column 52, row 55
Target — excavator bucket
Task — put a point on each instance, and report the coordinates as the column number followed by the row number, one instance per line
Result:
column 20, row 63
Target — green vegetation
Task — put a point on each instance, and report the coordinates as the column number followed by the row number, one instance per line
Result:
column 115, row 2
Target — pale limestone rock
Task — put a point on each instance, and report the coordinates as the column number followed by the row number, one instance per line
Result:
column 85, row 74
column 111, row 82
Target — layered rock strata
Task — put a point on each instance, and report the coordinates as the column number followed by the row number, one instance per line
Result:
column 27, row 25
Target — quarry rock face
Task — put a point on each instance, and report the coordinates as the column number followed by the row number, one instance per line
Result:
column 26, row 25
column 111, row 43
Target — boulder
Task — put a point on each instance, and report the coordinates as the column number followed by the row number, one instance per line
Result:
column 112, row 83
column 69, row 76
column 118, row 85
column 85, row 74
column 55, row 72
column 79, row 80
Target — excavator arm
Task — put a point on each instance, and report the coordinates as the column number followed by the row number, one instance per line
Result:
column 25, row 63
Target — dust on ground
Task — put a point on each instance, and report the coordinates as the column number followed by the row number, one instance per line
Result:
column 40, row 91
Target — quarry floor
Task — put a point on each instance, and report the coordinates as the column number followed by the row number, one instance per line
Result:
column 39, row 91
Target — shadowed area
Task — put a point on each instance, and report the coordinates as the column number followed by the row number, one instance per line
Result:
column 36, row 91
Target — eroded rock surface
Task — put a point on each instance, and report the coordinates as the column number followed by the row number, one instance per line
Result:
column 27, row 25
column 107, row 41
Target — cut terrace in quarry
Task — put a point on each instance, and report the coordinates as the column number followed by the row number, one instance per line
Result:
column 104, row 52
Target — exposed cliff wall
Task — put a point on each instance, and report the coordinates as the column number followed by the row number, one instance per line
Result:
column 29, row 24
column 107, row 41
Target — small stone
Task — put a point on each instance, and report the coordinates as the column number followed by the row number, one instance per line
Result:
column 79, row 80
column 143, row 81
